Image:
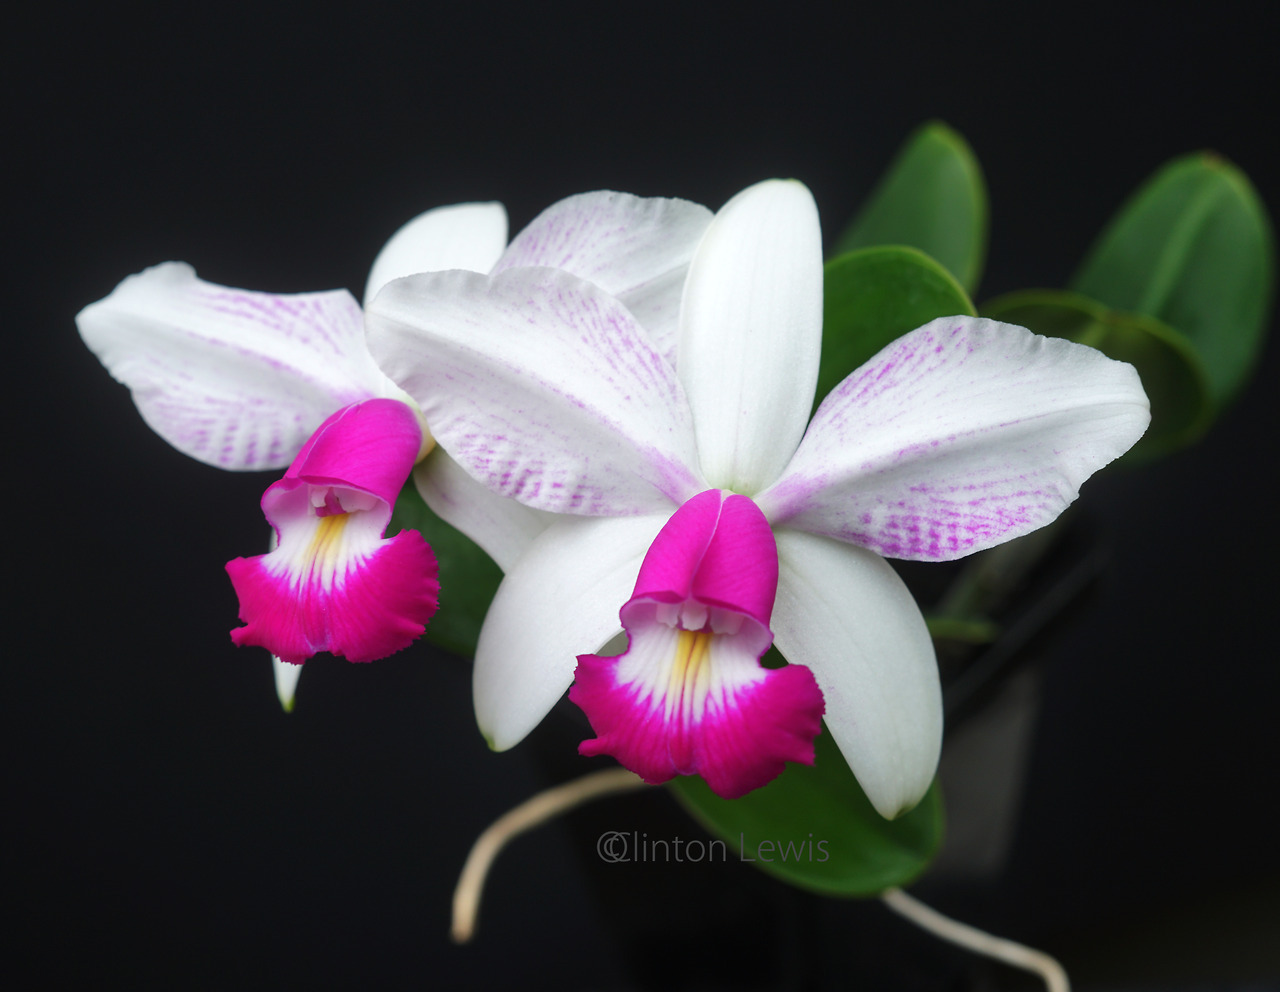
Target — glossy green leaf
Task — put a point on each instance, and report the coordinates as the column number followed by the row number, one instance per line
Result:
column 873, row 296
column 1194, row 248
column 933, row 198
column 815, row 828
column 1170, row 369
column 468, row 577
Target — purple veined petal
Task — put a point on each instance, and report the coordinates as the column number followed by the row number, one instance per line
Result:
column 503, row 527
column 751, row 333
column 635, row 248
column 542, row 386
column 333, row 583
column 234, row 378
column 468, row 236
column 656, row 305
column 959, row 436
column 844, row 613
column 559, row 600
column 688, row 695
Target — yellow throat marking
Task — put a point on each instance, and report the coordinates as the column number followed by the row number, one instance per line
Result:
column 690, row 672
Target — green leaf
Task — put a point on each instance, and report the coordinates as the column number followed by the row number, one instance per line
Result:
column 1171, row 371
column 1194, row 248
column 933, row 198
column 874, row 296
column 839, row 844
column 468, row 577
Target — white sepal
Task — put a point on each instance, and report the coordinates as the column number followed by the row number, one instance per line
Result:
column 844, row 613
column 560, row 600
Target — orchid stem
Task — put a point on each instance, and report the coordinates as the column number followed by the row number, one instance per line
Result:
column 978, row 941
column 529, row 814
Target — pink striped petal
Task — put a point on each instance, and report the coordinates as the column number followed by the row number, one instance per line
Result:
column 689, row 695
column 635, row 248
column 503, row 527
column 333, row 583
column 542, row 387
column 234, row 378
column 959, row 436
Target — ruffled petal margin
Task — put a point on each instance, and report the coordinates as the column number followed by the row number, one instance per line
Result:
column 378, row 604
column 689, row 695
column 679, row 703
column 333, row 583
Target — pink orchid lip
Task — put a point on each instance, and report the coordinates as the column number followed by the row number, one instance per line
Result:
column 716, row 552
column 689, row 695
column 334, row 583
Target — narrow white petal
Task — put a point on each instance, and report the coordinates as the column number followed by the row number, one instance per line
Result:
column 844, row 613
column 464, row 236
column 287, row 677
column 237, row 379
column 751, row 333
column 560, row 600
column 541, row 386
column 503, row 527
column 635, row 248
column 961, row 435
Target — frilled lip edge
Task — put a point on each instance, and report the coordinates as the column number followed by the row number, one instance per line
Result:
column 689, row 695
column 374, row 602
column 334, row 583
column 685, row 703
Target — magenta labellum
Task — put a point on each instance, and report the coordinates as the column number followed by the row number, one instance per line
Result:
column 689, row 695
column 334, row 583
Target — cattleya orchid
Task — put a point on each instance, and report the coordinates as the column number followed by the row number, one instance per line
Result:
column 248, row 380
column 691, row 489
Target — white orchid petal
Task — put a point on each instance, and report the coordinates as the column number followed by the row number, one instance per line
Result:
column 541, row 386
column 656, row 305
column 635, row 248
column 751, row 333
column 843, row 612
column 503, row 527
column 286, row 677
column 234, row 378
column 961, row 435
column 463, row 236
column 560, row 600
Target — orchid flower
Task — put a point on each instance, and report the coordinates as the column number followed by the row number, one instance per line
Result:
column 699, row 497
column 248, row 380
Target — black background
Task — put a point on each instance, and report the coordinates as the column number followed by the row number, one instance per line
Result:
column 173, row 827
